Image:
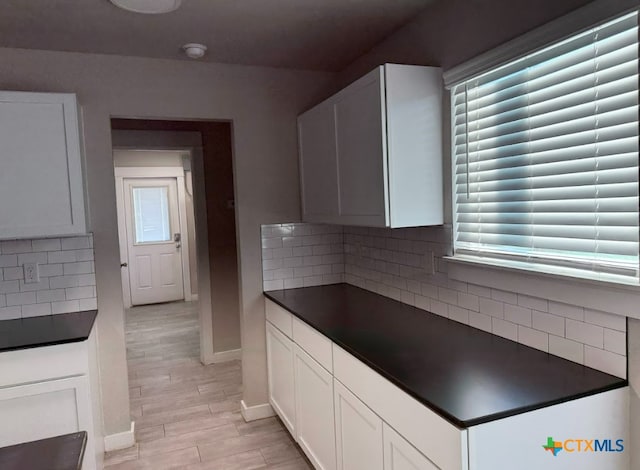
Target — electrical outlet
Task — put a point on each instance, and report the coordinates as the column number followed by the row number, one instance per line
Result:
column 430, row 263
column 31, row 273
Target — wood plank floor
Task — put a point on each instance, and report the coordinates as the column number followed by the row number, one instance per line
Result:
column 188, row 415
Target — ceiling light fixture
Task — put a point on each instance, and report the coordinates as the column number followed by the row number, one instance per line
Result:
column 149, row 7
column 194, row 50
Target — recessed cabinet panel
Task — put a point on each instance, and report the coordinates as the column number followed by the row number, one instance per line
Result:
column 41, row 182
column 318, row 173
column 280, row 371
column 400, row 455
column 358, row 432
column 314, row 411
column 361, row 155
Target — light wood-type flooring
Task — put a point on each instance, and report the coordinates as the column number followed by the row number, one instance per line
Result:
column 188, row 415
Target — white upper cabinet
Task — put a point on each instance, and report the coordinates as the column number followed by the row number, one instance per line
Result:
column 41, row 176
column 371, row 155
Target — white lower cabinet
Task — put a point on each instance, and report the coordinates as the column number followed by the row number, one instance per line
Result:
column 314, row 410
column 50, row 391
column 400, row 455
column 358, row 432
column 346, row 416
column 280, row 371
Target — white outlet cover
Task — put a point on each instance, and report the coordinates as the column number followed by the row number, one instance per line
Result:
column 31, row 273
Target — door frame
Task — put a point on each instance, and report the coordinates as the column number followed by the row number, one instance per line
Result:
column 123, row 173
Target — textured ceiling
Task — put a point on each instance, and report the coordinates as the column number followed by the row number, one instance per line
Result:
column 304, row 34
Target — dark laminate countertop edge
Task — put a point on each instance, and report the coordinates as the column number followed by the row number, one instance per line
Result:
column 65, row 452
column 462, row 424
column 30, row 333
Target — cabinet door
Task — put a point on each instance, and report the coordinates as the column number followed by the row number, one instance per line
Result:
column 358, row 432
column 280, row 375
column 41, row 182
column 318, row 172
column 400, row 455
column 314, row 411
column 361, row 151
column 46, row 409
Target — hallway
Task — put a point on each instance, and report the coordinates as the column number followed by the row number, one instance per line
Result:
column 188, row 415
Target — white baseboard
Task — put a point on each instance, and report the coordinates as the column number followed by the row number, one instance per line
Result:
column 194, row 297
column 121, row 440
column 226, row 356
column 252, row 413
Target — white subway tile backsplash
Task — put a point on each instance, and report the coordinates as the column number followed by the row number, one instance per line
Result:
column 606, row 361
column 64, row 263
column 36, row 310
column 47, row 244
column 518, row 315
column 615, row 341
column 7, row 287
column 480, row 321
column 39, row 257
column 84, row 267
column 48, row 296
column 504, row 296
column 548, row 322
column 21, row 298
column 65, row 307
column 491, row 307
column 563, row 347
column 394, row 263
column 469, row 301
column 585, row 333
column 608, row 320
column 14, row 273
column 504, row 328
column 533, row 303
column 15, row 246
column 75, row 243
column 8, row 260
column 534, row 338
column 568, row 311
column 10, row 313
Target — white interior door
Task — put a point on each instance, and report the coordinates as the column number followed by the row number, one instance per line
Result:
column 153, row 240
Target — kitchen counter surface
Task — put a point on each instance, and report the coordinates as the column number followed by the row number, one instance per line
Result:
column 49, row 330
column 56, row 453
column 465, row 375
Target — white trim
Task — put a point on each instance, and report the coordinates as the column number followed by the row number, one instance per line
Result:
column 253, row 413
column 148, row 172
column 226, row 356
column 184, row 238
column 194, row 297
column 589, row 293
column 573, row 23
column 120, row 440
column 205, row 311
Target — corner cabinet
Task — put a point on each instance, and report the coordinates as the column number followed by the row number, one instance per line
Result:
column 41, row 182
column 371, row 155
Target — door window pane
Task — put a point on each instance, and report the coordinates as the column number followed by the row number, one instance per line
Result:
column 151, row 214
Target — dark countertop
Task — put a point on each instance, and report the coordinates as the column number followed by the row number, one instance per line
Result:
column 47, row 330
column 465, row 375
column 56, row 453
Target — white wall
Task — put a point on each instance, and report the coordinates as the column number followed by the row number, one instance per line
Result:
column 261, row 102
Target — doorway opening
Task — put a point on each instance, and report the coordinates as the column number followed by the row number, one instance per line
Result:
column 177, row 231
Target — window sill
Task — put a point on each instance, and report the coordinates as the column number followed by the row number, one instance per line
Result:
column 608, row 295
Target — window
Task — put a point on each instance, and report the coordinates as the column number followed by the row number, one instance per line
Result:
column 545, row 155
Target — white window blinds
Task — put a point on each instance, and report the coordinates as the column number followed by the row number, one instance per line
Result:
column 545, row 155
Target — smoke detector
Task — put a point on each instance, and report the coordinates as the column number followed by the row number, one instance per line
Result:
column 149, row 7
column 194, row 50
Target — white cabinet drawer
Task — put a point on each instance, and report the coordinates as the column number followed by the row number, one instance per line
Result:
column 43, row 363
column 279, row 317
column 315, row 344
column 444, row 443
